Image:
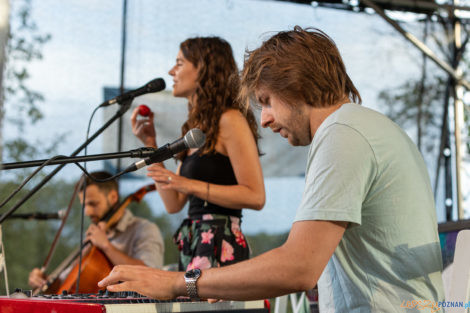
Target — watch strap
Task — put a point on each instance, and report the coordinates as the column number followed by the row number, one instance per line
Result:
column 192, row 289
column 191, row 278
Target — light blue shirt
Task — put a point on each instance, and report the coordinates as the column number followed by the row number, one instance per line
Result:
column 363, row 169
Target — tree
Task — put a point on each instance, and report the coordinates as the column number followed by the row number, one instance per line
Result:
column 24, row 46
column 417, row 103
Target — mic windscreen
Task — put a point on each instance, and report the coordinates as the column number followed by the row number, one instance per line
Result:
column 195, row 138
column 155, row 85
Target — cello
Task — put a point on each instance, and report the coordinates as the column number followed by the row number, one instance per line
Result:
column 95, row 265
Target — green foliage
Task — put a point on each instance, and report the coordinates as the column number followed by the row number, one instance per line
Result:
column 27, row 241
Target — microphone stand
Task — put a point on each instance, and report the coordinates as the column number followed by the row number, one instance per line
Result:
column 123, row 109
column 37, row 216
column 136, row 153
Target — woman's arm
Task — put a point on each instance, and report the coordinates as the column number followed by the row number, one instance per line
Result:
column 173, row 199
column 236, row 141
column 144, row 129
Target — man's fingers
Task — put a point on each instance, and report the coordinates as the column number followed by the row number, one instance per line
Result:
column 125, row 286
column 102, row 226
column 121, row 273
column 113, row 277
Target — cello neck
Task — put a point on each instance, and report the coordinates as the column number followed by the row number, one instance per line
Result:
column 112, row 216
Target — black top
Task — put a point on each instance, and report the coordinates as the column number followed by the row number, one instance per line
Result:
column 214, row 168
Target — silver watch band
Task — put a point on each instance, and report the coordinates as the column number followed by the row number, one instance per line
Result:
column 192, row 289
column 191, row 278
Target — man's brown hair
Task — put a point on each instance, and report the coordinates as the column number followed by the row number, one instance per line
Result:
column 298, row 65
column 104, row 187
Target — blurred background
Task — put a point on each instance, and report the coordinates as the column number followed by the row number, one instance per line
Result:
column 61, row 59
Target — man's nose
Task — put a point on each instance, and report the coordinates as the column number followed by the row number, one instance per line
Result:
column 266, row 117
column 88, row 210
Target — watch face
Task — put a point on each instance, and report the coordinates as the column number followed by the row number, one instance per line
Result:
column 193, row 273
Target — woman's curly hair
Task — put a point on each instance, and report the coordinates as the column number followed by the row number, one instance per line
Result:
column 217, row 88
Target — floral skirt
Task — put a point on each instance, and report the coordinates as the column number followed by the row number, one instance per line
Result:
column 210, row 241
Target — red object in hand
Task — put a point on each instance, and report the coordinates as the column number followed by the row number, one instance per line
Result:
column 144, row 110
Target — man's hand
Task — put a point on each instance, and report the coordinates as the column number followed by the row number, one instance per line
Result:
column 36, row 278
column 147, row 281
column 97, row 235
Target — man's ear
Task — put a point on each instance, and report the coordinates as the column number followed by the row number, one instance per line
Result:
column 113, row 197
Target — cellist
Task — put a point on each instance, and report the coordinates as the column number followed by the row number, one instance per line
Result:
column 133, row 240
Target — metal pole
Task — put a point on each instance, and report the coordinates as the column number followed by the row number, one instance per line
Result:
column 445, row 153
column 458, row 113
column 4, row 29
column 123, row 69
column 416, row 42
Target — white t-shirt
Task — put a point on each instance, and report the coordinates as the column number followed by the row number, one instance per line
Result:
column 363, row 169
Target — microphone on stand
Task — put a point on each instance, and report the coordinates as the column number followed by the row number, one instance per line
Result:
column 40, row 215
column 158, row 84
column 194, row 138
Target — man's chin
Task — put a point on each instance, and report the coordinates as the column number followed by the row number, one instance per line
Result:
column 292, row 141
column 295, row 142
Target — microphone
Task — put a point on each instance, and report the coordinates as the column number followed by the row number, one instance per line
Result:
column 194, row 138
column 40, row 216
column 158, row 84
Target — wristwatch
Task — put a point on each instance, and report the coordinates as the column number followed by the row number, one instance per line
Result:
column 191, row 278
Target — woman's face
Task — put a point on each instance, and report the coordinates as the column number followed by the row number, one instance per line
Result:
column 184, row 77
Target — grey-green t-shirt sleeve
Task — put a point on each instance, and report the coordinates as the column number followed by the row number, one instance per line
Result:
column 340, row 168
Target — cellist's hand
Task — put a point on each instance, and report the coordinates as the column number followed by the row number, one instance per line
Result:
column 97, row 235
column 36, row 278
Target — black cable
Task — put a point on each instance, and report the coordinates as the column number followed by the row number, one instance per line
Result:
column 82, row 215
column 29, row 178
column 96, row 179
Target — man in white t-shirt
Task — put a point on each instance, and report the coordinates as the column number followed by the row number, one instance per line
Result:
column 366, row 228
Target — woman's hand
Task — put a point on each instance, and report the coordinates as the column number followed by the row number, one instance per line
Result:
column 167, row 180
column 144, row 129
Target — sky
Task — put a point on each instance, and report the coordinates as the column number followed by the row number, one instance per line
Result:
column 83, row 57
